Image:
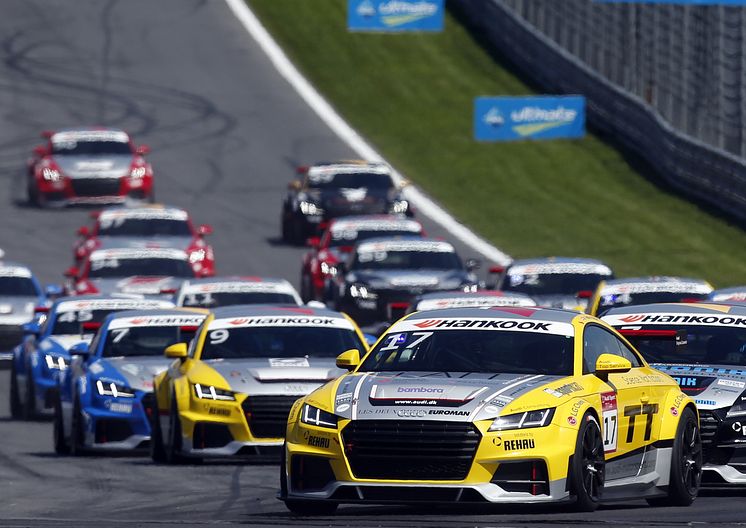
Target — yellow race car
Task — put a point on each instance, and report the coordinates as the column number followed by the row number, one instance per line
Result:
column 493, row 405
column 230, row 393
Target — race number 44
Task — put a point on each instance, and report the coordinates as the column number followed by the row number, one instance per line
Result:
column 610, row 418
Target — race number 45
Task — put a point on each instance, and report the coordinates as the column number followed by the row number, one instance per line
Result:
column 610, row 418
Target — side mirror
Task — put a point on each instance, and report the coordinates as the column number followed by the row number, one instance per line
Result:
column 585, row 294
column 404, row 183
column 497, row 269
column 295, row 185
column 53, row 290
column 47, row 134
column 80, row 349
column 83, row 231
column 176, row 351
column 142, row 150
column 71, row 272
column 611, row 364
column 313, row 242
column 302, row 169
column 204, row 230
column 40, row 151
column 473, row 264
column 31, row 328
column 349, row 359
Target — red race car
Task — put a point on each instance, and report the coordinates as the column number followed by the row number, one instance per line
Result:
column 88, row 165
column 319, row 264
column 148, row 226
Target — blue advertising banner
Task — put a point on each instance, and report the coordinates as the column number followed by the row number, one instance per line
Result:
column 541, row 117
column 684, row 2
column 395, row 15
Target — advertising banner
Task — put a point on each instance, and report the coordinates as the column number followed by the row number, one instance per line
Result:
column 539, row 117
column 395, row 15
column 676, row 2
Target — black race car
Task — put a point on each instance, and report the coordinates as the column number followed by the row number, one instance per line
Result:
column 330, row 190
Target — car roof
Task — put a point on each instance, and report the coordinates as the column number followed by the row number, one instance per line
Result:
column 157, row 312
column 143, row 210
column 349, row 166
column 391, row 222
column 235, row 278
column 15, row 267
column 557, row 265
column 457, row 294
column 414, row 242
column 114, row 134
column 500, row 312
column 556, row 260
column 258, row 310
column 688, row 308
column 656, row 279
column 144, row 252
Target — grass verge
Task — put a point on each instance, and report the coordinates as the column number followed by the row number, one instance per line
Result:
column 411, row 96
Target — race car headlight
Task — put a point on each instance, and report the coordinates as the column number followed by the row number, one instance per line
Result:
column 470, row 288
column 328, row 269
column 50, row 174
column 524, row 420
column 361, row 291
column 138, row 172
column 739, row 407
column 55, row 362
column 109, row 388
column 209, row 392
column 310, row 208
column 314, row 416
column 197, row 256
column 399, row 206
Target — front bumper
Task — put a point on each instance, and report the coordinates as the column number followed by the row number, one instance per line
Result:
column 118, row 423
column 724, row 447
column 529, row 466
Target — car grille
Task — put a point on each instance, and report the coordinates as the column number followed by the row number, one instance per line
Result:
column 95, row 186
column 709, row 422
column 267, row 416
column 410, row 450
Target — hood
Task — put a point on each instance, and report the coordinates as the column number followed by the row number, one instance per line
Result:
column 566, row 302
column 175, row 242
column 710, row 386
column 276, row 375
column 437, row 395
column 416, row 281
column 150, row 286
column 59, row 344
column 134, row 372
column 115, row 166
column 17, row 310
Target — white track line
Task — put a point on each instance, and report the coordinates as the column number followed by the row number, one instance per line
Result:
column 347, row 134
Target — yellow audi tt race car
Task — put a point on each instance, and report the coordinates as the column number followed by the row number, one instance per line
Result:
column 493, row 405
column 230, row 392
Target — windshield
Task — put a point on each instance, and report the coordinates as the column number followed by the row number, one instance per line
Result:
column 143, row 341
column 389, row 260
column 69, row 323
column 144, row 227
column 90, row 148
column 278, row 342
column 695, row 344
column 483, row 351
column 347, row 180
column 552, row 283
column 17, row 287
column 215, row 299
column 130, row 267
column 350, row 237
column 608, row 302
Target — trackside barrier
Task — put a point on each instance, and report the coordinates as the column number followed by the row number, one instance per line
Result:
column 703, row 171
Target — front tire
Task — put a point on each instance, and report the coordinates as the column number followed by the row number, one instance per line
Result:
column 686, row 463
column 588, row 466
column 77, row 433
column 157, row 451
column 61, row 447
column 29, row 404
column 16, row 409
column 173, row 448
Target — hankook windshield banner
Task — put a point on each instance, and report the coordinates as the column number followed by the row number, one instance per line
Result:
column 395, row 15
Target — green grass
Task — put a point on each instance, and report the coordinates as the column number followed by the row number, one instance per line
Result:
column 411, row 96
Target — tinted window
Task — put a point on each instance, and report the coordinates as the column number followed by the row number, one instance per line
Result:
column 214, row 299
column 68, row 323
column 383, row 260
column 144, row 227
column 349, row 180
column 713, row 345
column 17, row 287
column 90, row 148
column 129, row 267
column 552, row 283
column 143, row 341
column 485, row 351
column 597, row 341
column 278, row 342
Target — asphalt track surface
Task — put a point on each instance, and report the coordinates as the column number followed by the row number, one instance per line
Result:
column 226, row 131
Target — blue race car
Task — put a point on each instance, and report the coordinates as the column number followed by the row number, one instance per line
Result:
column 20, row 295
column 42, row 355
column 104, row 400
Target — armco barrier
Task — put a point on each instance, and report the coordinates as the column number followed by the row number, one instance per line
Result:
column 700, row 170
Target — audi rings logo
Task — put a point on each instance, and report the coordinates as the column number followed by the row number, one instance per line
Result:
column 410, row 413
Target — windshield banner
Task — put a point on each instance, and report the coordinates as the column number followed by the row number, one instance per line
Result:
column 395, row 15
column 517, row 118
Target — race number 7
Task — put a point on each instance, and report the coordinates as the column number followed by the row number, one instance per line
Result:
column 633, row 411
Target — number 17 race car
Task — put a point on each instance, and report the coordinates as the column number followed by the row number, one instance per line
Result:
column 493, row 405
